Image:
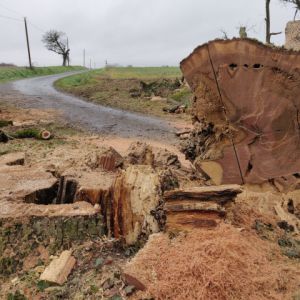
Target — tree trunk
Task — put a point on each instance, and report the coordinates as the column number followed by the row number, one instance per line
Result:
column 65, row 58
column 268, row 21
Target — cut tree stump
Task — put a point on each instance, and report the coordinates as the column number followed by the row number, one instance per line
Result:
column 248, row 92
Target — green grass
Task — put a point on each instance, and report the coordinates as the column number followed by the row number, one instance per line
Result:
column 113, row 87
column 14, row 73
column 142, row 73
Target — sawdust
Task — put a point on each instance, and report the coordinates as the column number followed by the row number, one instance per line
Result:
column 213, row 264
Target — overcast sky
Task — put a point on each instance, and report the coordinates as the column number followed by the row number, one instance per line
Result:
column 130, row 32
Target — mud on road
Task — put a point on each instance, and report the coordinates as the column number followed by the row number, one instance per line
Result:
column 39, row 93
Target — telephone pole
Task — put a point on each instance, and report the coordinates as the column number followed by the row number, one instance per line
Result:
column 27, row 40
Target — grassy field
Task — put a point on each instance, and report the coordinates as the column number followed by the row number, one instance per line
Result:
column 145, row 90
column 14, row 73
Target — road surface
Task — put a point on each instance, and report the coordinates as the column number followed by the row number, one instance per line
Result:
column 38, row 92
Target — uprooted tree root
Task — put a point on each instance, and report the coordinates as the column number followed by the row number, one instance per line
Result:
column 213, row 264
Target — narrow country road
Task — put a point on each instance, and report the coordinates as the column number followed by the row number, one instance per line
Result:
column 38, row 92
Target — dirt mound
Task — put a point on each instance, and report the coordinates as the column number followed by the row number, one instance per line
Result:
column 213, row 264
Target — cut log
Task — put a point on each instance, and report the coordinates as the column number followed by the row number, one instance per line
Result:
column 198, row 207
column 45, row 135
column 192, row 220
column 250, row 94
column 59, row 269
column 220, row 194
column 191, row 205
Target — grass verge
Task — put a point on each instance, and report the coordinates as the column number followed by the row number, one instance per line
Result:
column 14, row 73
column 145, row 90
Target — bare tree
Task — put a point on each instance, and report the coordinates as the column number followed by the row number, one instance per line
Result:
column 55, row 41
column 296, row 3
column 225, row 35
column 268, row 23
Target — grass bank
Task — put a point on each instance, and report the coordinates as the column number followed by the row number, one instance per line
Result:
column 14, row 73
column 145, row 90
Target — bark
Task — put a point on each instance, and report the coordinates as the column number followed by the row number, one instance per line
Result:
column 65, row 59
column 246, row 96
column 20, row 237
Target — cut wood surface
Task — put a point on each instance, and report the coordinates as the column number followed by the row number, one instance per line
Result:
column 191, row 220
column 136, row 193
column 254, row 90
column 59, row 269
column 12, row 159
column 191, row 205
column 222, row 193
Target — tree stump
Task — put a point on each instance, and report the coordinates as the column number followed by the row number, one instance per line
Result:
column 249, row 95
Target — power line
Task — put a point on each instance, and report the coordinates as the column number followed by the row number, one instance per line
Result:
column 15, row 12
column 36, row 27
column 11, row 10
column 10, row 18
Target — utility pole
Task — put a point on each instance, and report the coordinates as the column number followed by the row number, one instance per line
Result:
column 90, row 63
column 84, row 57
column 27, row 40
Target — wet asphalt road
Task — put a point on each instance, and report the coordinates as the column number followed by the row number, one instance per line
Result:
column 39, row 92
